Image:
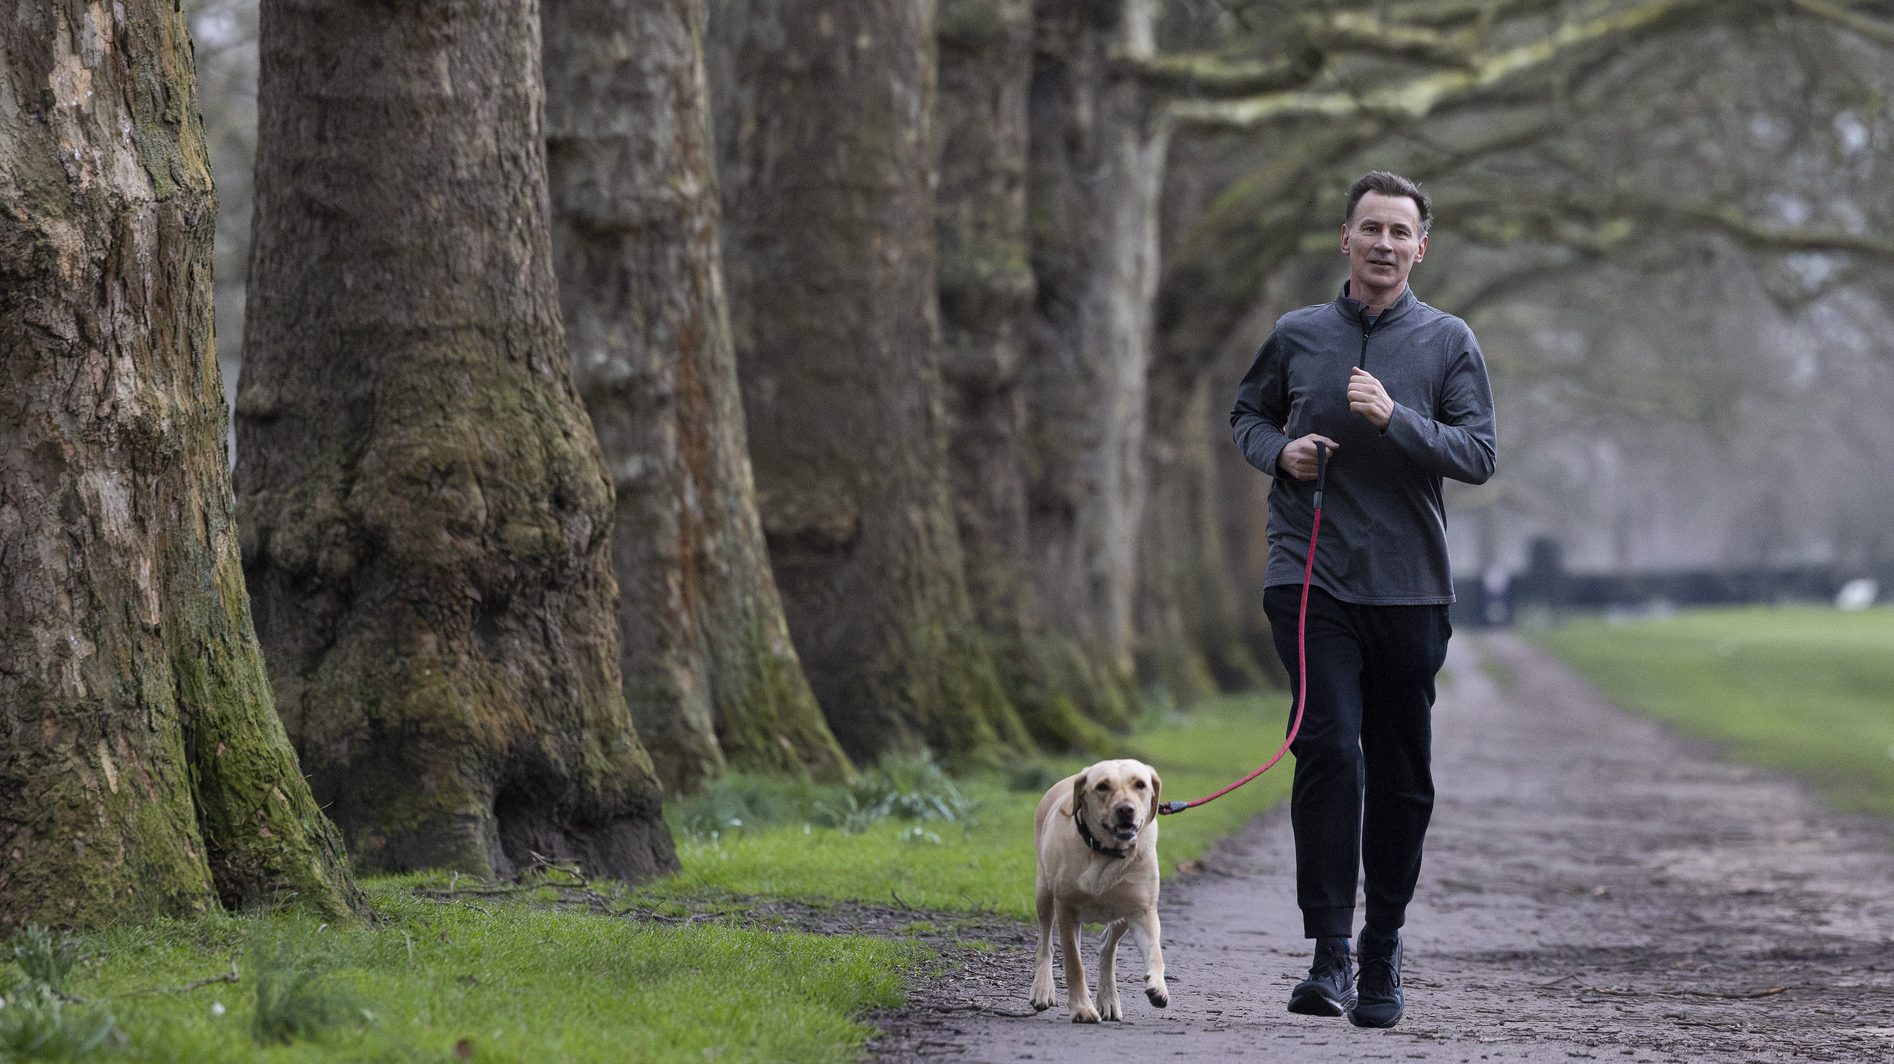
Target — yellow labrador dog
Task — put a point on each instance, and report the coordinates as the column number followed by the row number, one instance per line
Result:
column 1096, row 835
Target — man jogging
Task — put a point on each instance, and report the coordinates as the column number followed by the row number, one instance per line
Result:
column 1397, row 392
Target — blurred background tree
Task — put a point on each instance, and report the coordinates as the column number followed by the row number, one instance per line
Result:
column 710, row 671
column 825, row 123
column 1647, row 210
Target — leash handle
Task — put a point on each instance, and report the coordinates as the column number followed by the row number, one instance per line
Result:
column 1302, row 649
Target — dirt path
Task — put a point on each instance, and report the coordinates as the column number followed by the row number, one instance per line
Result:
column 1595, row 889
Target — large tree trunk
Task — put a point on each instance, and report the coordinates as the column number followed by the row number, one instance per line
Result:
column 1189, row 604
column 1191, row 635
column 709, row 670
column 1243, row 525
column 1177, row 523
column 986, row 303
column 825, row 150
column 1096, row 168
column 427, row 519
column 143, row 770
column 1235, row 532
column 1200, row 589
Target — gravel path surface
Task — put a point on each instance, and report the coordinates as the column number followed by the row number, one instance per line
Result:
column 1595, row 889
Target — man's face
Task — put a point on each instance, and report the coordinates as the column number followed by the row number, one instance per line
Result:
column 1383, row 241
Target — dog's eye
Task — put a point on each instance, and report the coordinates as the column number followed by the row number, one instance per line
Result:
column 1103, row 787
column 1139, row 785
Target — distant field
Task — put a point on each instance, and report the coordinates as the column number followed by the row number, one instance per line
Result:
column 1806, row 690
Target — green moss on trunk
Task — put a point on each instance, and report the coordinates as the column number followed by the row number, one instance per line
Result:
column 774, row 731
column 142, row 768
column 708, row 668
column 428, row 515
column 834, row 297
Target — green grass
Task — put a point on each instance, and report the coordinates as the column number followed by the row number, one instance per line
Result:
column 1809, row 691
column 983, row 860
column 543, row 973
column 507, row 979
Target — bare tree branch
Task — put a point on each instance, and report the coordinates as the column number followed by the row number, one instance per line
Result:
column 1348, row 31
column 1506, row 220
column 1200, row 74
column 1441, row 14
column 1501, row 286
column 1846, row 15
column 1748, row 233
column 1484, row 77
column 1308, row 42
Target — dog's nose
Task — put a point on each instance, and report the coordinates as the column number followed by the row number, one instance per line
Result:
column 1125, row 811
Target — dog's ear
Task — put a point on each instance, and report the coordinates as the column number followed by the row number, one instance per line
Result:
column 1078, row 794
column 1157, row 788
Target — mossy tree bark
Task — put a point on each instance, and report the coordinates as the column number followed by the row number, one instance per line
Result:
column 986, row 303
column 709, row 669
column 427, row 519
column 1192, row 598
column 143, row 771
column 1096, row 164
column 1190, row 602
column 1226, row 275
column 1242, row 527
column 825, row 150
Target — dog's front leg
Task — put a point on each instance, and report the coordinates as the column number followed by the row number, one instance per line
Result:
column 1042, row 991
column 1108, row 1008
column 1078, row 996
column 1155, row 988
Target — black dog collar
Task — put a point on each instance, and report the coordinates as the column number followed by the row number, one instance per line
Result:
column 1092, row 841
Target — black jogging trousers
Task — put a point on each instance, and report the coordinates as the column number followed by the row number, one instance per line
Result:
column 1364, row 787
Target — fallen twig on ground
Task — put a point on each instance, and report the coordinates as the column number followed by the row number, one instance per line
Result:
column 985, row 1009
column 226, row 977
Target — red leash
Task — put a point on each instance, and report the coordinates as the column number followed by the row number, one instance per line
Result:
column 1302, row 650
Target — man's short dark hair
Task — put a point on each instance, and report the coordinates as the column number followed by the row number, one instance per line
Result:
column 1388, row 183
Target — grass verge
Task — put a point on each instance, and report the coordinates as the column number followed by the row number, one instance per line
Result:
column 502, row 979
column 673, row 971
column 1809, row 691
column 752, row 836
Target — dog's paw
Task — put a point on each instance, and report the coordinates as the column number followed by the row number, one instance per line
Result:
column 1109, row 1009
column 1042, row 992
column 1158, row 994
column 1085, row 1014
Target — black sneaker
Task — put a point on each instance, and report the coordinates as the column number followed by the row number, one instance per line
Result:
column 1380, row 1002
column 1330, row 988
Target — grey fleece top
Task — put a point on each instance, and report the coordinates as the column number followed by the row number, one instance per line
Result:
column 1384, row 531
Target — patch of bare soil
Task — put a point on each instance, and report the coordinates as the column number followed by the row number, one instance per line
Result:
column 1595, row 889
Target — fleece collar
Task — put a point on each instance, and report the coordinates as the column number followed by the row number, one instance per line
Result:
column 1355, row 310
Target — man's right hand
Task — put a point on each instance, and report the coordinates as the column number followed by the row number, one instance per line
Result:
column 1298, row 459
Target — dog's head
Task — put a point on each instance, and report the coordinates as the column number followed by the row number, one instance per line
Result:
column 1116, row 798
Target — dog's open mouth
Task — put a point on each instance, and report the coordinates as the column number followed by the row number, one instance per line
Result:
column 1125, row 832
